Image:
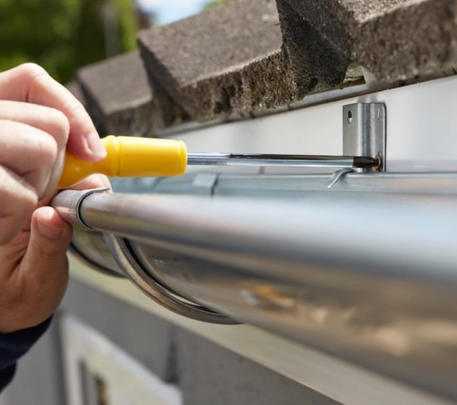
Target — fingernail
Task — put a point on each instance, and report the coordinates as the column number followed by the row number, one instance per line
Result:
column 95, row 146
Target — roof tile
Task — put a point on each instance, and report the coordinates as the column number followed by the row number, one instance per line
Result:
column 120, row 98
column 394, row 40
column 227, row 60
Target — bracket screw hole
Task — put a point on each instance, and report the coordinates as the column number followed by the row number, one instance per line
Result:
column 349, row 117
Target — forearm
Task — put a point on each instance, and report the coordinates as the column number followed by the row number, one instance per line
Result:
column 15, row 345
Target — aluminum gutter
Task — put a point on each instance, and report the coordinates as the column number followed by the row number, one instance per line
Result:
column 369, row 278
column 323, row 373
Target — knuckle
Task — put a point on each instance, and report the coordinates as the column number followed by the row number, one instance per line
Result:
column 26, row 205
column 19, row 203
column 60, row 126
column 32, row 71
column 47, row 151
column 29, row 203
column 73, row 107
column 64, row 124
column 25, row 202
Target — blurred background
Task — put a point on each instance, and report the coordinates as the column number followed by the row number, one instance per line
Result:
column 63, row 35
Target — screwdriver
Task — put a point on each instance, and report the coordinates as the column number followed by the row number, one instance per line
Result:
column 149, row 157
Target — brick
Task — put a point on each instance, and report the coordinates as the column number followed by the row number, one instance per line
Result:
column 120, row 99
column 394, row 40
column 226, row 61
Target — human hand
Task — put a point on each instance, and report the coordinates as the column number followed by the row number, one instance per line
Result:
column 39, row 119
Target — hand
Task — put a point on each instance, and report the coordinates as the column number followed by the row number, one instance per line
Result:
column 39, row 119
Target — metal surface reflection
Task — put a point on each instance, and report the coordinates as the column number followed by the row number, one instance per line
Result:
column 369, row 277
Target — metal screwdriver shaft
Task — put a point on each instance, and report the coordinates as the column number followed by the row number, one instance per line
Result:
column 221, row 159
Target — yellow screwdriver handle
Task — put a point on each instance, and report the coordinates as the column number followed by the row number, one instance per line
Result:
column 129, row 157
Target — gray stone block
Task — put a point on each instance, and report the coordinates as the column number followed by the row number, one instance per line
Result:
column 120, row 99
column 311, row 54
column 406, row 40
column 394, row 40
column 226, row 61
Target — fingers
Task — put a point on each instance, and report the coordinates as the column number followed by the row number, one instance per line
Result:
column 29, row 152
column 32, row 84
column 18, row 201
column 46, row 252
column 50, row 236
column 43, row 273
column 93, row 181
column 49, row 120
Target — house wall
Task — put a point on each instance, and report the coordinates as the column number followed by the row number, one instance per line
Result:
column 202, row 371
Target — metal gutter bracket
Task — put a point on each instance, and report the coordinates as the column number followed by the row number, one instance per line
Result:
column 364, row 132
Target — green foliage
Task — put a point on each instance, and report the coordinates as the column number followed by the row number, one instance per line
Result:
column 60, row 35
column 213, row 3
column 127, row 22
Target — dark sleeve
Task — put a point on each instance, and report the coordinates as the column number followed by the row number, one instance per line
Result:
column 15, row 345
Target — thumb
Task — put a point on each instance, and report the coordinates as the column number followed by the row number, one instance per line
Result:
column 44, row 267
column 49, row 239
